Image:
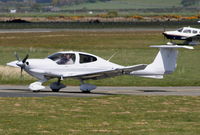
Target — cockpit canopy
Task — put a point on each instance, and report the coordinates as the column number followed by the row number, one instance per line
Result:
column 63, row 58
column 67, row 58
column 188, row 30
column 84, row 58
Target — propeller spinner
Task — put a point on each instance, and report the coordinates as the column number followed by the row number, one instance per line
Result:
column 22, row 63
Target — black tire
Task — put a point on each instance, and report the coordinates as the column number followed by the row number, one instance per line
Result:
column 55, row 90
column 36, row 91
column 86, row 91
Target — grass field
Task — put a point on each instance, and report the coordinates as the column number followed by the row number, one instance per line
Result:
column 102, row 25
column 131, row 47
column 110, row 115
column 128, row 4
column 124, row 8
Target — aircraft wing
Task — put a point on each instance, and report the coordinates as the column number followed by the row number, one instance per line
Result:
column 110, row 73
column 100, row 74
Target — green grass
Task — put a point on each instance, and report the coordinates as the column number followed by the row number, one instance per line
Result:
column 85, row 14
column 127, row 4
column 132, row 48
column 110, row 115
column 102, row 25
column 114, row 5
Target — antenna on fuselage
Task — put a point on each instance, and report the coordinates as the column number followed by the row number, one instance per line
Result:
column 112, row 56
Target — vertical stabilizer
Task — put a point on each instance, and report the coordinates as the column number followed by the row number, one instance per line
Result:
column 164, row 63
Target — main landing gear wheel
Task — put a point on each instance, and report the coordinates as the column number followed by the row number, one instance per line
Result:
column 36, row 91
column 86, row 88
column 86, row 91
column 55, row 90
column 56, row 86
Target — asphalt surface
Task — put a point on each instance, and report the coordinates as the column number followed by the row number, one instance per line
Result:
column 79, row 30
column 23, row 91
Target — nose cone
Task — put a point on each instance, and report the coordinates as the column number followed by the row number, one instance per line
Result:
column 165, row 33
column 20, row 64
column 12, row 63
column 168, row 34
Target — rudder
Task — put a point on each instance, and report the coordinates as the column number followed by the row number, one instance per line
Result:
column 164, row 62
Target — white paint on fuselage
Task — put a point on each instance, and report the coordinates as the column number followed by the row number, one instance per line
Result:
column 184, row 32
column 47, row 65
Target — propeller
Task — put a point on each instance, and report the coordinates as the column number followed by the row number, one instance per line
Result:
column 17, row 57
column 164, row 29
column 24, row 60
column 21, row 63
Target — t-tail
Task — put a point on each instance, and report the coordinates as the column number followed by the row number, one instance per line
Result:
column 164, row 63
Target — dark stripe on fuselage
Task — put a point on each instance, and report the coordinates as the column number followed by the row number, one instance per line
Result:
column 175, row 37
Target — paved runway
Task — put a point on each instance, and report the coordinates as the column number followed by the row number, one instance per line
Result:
column 79, row 30
column 23, row 91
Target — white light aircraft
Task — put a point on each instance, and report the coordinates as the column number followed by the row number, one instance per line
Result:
column 85, row 66
column 190, row 35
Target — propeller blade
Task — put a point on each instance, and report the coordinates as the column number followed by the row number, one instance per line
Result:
column 24, row 60
column 164, row 29
column 164, row 38
column 17, row 57
column 21, row 73
column 22, row 63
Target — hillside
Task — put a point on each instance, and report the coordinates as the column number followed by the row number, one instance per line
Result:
column 83, row 7
column 127, row 4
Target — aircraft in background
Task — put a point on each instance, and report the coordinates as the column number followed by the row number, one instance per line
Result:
column 191, row 36
column 84, row 66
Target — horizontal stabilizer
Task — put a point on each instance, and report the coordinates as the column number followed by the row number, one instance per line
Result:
column 152, row 76
column 164, row 63
column 172, row 46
